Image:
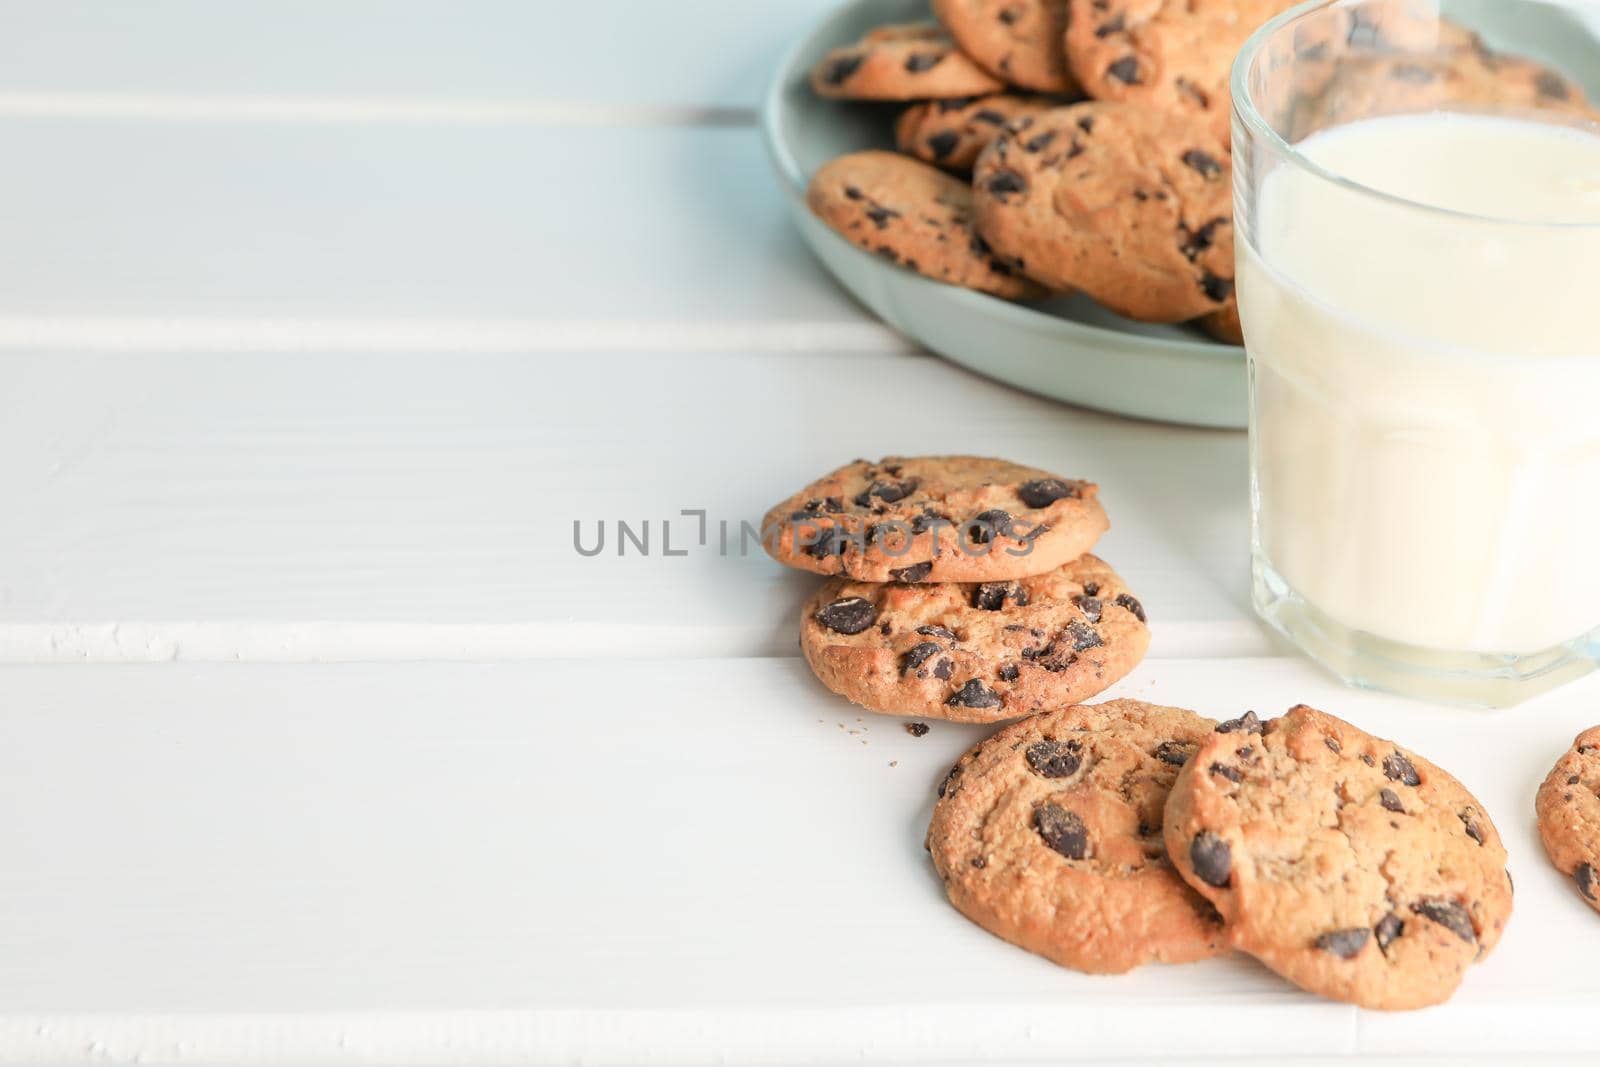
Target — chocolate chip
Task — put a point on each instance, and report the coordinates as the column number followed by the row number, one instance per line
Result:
column 943, row 669
column 1387, row 798
column 975, row 695
column 993, row 596
column 1218, row 289
column 1471, row 826
column 942, row 144
column 1333, row 744
column 1232, row 774
column 1212, row 859
column 1366, row 757
column 1063, row 831
column 1046, row 491
column 1346, row 944
column 979, row 862
column 852, row 615
column 1084, row 637
column 1006, row 182
column 955, row 103
column 917, row 729
column 1091, row 588
column 1055, row 759
column 1413, row 73
column 1128, row 603
column 938, row 631
column 1039, row 143
column 949, row 780
column 839, row 70
column 916, row 657
column 1448, row 914
column 917, row 572
column 888, row 492
column 1173, row 752
column 1090, row 606
column 1246, row 723
column 920, row 62
column 1203, row 163
column 1552, row 86
column 1115, row 24
column 1009, row 15
column 1573, row 779
column 1125, row 70
column 1399, row 769
column 832, row 541
column 1585, row 876
column 1197, row 241
column 926, row 521
column 1389, row 927
column 1010, row 672
column 989, row 525
column 880, row 216
column 989, row 117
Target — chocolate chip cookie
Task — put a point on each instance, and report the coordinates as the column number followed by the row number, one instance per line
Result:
column 1352, row 867
column 1172, row 55
column 1569, row 815
column 935, row 519
column 1470, row 78
column 1048, row 835
column 1131, row 205
column 975, row 652
column 1021, row 41
column 951, row 133
column 915, row 216
column 910, row 62
column 1224, row 325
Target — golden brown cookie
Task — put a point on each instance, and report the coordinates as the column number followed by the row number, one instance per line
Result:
column 935, row 519
column 1224, row 325
column 1353, row 867
column 915, row 216
column 911, row 62
column 975, row 652
column 1020, row 41
column 1173, row 55
column 1131, row 205
column 1569, row 815
column 1049, row 835
column 1368, row 86
column 951, row 133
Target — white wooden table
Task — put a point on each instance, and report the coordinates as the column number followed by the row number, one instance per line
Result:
column 321, row 323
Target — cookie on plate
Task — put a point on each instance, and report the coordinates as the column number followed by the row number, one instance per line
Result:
column 951, row 133
column 935, row 519
column 1021, row 41
column 1224, row 325
column 915, row 216
column 1569, row 815
column 975, row 652
column 1131, row 205
column 1048, row 835
column 1350, row 866
column 1172, row 55
column 910, row 62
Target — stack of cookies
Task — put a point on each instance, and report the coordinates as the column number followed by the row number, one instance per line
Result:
column 1003, row 184
column 962, row 588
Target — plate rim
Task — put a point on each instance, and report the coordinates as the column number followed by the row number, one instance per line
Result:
column 787, row 168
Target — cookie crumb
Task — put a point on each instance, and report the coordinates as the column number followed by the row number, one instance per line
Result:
column 917, row 729
column 894, row 763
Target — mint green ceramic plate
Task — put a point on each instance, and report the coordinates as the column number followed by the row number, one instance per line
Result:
column 1070, row 349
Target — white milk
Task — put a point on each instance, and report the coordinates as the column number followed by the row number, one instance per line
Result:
column 1427, row 385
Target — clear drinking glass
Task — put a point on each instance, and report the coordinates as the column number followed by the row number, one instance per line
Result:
column 1418, row 229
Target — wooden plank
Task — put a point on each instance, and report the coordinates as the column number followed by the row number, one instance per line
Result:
column 645, row 862
column 209, row 235
column 705, row 54
column 291, row 506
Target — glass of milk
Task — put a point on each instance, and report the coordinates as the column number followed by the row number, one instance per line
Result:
column 1418, row 228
